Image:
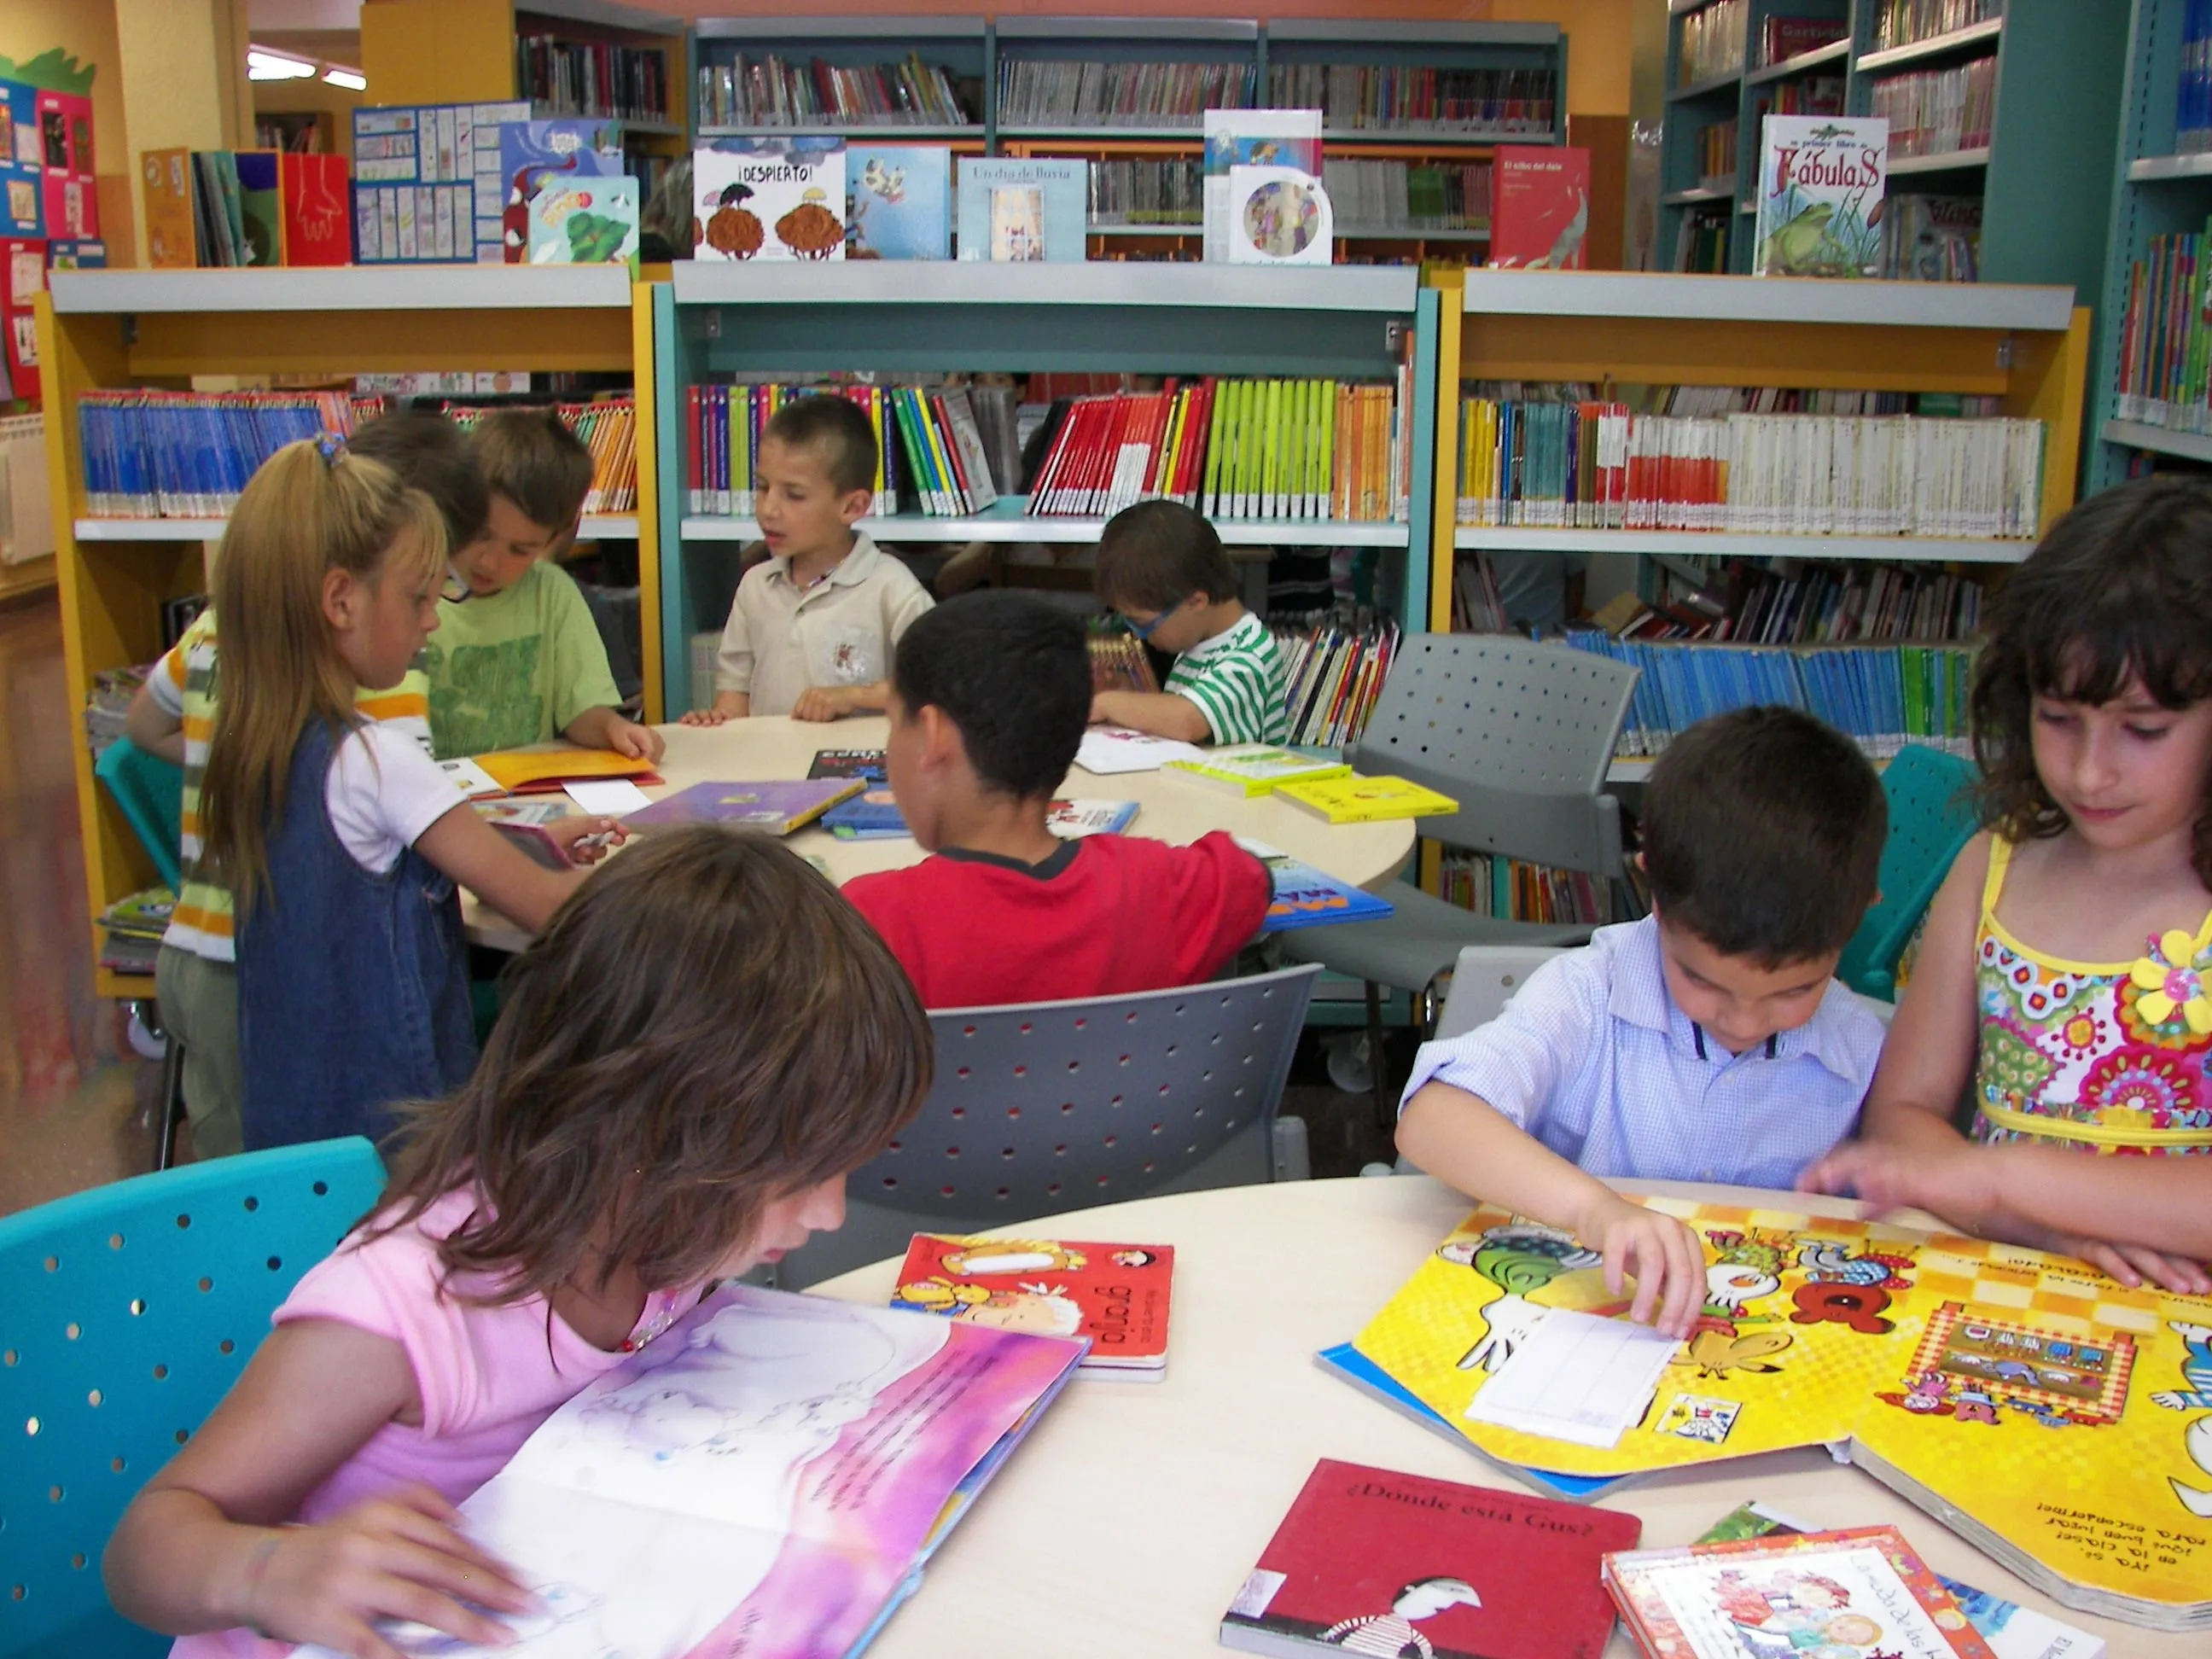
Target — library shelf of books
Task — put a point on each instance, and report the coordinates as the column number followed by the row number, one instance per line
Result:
column 942, row 354
column 1711, row 426
column 1986, row 185
column 2154, row 402
column 109, row 332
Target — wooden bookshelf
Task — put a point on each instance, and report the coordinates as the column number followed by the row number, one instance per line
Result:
column 2043, row 180
column 1333, row 322
column 100, row 330
column 2027, row 346
column 2157, row 190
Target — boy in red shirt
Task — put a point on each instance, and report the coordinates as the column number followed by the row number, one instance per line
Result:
column 990, row 692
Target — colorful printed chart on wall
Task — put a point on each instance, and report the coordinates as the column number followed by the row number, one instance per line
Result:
column 2056, row 1419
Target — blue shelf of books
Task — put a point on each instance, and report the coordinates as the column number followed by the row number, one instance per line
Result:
column 1986, row 183
column 1004, row 393
column 2153, row 408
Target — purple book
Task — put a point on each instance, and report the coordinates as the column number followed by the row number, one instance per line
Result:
column 778, row 808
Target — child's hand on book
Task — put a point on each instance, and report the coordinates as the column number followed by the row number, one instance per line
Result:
column 401, row 1557
column 1957, row 1183
column 638, row 742
column 586, row 840
column 1660, row 1252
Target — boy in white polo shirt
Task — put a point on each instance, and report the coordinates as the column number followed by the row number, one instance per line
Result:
column 812, row 628
column 1710, row 1041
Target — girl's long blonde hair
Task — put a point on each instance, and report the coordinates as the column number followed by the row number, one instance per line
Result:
column 311, row 509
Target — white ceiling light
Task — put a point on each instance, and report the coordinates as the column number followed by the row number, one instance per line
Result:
column 268, row 66
column 351, row 80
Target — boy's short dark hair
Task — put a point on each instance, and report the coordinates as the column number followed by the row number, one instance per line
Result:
column 1154, row 556
column 1012, row 673
column 431, row 454
column 1763, row 831
column 837, row 428
column 533, row 457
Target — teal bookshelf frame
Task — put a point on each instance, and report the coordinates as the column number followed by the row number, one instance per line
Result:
column 2045, row 178
column 1334, row 322
column 2156, row 191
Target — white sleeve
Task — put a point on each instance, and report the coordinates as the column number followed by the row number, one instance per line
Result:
column 383, row 792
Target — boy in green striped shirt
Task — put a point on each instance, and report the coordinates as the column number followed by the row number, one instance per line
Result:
column 1161, row 567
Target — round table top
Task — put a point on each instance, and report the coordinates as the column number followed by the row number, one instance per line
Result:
column 1127, row 1519
column 776, row 747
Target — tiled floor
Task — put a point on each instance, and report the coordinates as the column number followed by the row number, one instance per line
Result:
column 74, row 1099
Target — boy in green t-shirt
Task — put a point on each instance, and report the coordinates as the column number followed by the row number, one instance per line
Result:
column 518, row 659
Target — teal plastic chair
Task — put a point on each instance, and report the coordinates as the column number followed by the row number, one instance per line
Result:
column 125, row 1314
column 151, row 793
column 1932, row 817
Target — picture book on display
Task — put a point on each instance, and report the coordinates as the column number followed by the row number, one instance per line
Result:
column 1373, row 1561
column 768, row 1475
column 1116, row 1295
column 871, row 815
column 1821, row 183
column 1278, row 216
column 1347, row 799
column 777, row 807
column 1952, row 1370
column 584, row 222
column 1020, row 211
column 1306, row 897
column 1246, row 138
column 769, row 199
column 535, row 154
column 1539, row 208
column 2012, row 1630
column 1853, row 1593
column 901, row 202
column 428, row 184
column 1253, row 769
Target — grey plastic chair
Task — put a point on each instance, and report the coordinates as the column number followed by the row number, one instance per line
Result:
column 1520, row 733
column 1045, row 1107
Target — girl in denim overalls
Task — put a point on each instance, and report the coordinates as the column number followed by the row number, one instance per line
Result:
column 343, row 840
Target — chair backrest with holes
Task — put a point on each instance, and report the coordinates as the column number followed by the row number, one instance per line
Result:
column 1044, row 1106
column 1484, row 980
column 125, row 1313
column 1931, row 818
column 1519, row 732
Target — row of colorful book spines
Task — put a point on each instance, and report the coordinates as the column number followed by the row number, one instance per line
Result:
column 1869, row 692
column 1334, row 679
column 2192, row 105
column 723, row 430
column 594, row 76
column 189, row 454
column 1907, row 22
column 935, row 457
column 1303, row 449
column 2166, row 343
column 772, row 86
column 1825, row 608
column 1416, row 93
column 1085, row 470
column 1514, row 892
column 607, row 428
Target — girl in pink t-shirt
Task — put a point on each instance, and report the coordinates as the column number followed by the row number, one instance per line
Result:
column 700, row 1047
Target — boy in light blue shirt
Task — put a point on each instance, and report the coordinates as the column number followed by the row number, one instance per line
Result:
column 1709, row 1041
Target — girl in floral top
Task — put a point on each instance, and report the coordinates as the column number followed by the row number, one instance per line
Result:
column 2064, row 982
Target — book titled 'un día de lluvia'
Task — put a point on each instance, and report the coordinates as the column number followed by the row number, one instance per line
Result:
column 1821, row 183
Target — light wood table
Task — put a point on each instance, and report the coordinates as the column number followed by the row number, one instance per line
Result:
column 757, row 750
column 1128, row 1519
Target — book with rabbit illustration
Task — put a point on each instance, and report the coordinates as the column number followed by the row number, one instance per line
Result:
column 2057, row 1419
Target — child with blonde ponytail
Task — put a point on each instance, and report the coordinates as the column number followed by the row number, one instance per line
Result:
column 341, row 841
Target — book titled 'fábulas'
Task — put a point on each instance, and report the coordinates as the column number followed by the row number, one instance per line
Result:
column 1372, row 1561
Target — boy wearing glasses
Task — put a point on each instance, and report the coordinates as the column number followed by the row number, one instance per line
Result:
column 989, row 698
column 172, row 715
column 1161, row 566
column 517, row 658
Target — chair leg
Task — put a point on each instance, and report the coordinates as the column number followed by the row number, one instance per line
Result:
column 173, row 1103
column 1384, row 1117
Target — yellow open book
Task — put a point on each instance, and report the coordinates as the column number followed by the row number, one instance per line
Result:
column 1365, row 800
column 516, row 768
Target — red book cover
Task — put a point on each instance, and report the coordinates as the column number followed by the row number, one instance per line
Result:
column 22, row 275
column 1372, row 1561
column 317, row 224
column 1859, row 1590
column 1115, row 1294
column 1539, row 208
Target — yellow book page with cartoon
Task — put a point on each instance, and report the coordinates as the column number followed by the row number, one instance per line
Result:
column 2069, row 1416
